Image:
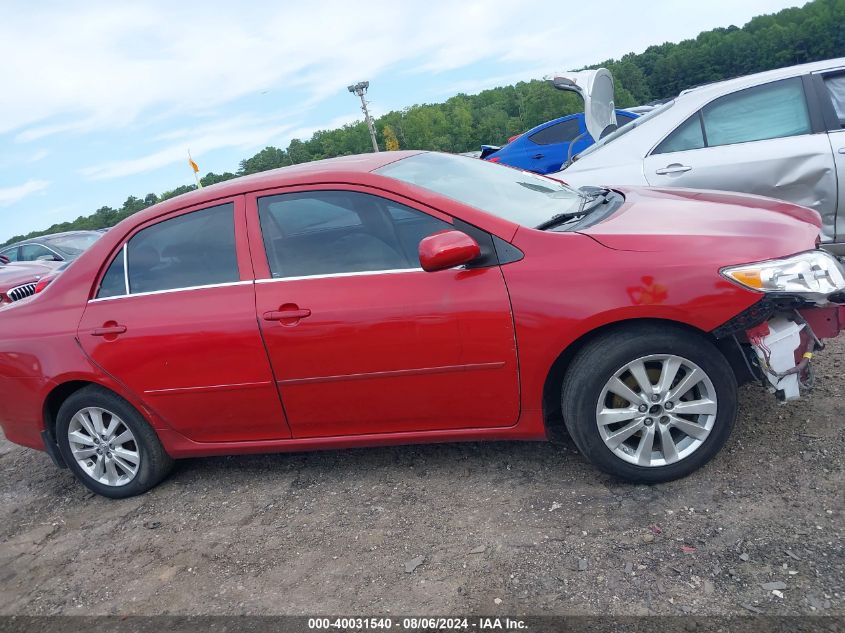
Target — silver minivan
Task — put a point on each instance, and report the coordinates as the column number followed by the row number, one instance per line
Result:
column 779, row 133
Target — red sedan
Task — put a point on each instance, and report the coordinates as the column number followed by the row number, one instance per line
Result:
column 409, row 297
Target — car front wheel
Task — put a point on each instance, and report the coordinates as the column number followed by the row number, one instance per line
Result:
column 649, row 403
column 108, row 445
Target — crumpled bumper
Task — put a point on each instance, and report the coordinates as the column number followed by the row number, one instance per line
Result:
column 783, row 346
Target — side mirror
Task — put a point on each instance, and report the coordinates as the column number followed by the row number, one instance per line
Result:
column 447, row 250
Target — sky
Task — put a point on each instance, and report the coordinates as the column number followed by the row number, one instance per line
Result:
column 103, row 100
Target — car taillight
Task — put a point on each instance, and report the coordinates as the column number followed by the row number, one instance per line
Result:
column 43, row 283
column 495, row 159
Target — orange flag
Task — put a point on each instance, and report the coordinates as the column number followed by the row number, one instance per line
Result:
column 196, row 169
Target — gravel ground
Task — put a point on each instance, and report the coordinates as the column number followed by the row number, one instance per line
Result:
column 498, row 528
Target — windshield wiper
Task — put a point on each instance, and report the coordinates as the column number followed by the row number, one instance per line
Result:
column 592, row 199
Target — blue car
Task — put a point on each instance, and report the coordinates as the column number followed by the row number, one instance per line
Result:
column 545, row 148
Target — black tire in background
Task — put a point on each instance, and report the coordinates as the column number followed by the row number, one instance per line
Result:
column 155, row 464
column 596, row 363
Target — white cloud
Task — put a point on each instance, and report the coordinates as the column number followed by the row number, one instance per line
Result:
column 242, row 133
column 11, row 195
column 81, row 67
column 40, row 154
column 98, row 65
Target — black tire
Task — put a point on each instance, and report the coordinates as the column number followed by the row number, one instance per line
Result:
column 155, row 464
column 595, row 364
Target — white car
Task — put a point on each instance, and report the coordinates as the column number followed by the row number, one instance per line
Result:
column 779, row 133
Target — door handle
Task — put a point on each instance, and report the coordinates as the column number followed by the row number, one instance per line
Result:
column 674, row 168
column 538, row 156
column 842, row 150
column 287, row 314
column 108, row 330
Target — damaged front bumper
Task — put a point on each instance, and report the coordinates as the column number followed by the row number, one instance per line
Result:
column 778, row 338
column 801, row 305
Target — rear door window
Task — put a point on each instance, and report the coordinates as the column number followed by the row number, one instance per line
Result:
column 11, row 253
column 190, row 250
column 562, row 132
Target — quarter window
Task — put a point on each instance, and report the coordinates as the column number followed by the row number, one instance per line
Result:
column 114, row 281
column 11, row 253
column 688, row 136
column 331, row 232
column 195, row 249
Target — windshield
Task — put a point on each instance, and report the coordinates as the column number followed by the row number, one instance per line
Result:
column 624, row 129
column 73, row 245
column 514, row 195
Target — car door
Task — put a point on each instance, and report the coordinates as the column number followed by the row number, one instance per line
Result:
column 548, row 148
column 173, row 319
column 761, row 140
column 361, row 339
column 834, row 92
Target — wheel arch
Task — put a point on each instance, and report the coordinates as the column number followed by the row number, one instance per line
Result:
column 551, row 405
column 56, row 397
column 64, row 388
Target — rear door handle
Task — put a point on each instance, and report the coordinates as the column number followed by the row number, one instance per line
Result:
column 287, row 314
column 672, row 169
column 108, row 330
column 842, row 150
column 538, row 156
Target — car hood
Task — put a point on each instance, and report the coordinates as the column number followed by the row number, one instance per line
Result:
column 18, row 273
column 736, row 227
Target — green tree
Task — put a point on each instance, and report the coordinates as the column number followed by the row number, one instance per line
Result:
column 793, row 36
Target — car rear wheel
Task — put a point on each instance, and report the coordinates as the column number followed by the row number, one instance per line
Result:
column 649, row 403
column 108, row 445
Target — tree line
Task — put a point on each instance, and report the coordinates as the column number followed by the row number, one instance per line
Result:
column 464, row 122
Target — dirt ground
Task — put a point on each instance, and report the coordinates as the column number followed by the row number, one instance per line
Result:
column 500, row 528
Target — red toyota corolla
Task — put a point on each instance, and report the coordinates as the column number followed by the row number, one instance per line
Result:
column 416, row 297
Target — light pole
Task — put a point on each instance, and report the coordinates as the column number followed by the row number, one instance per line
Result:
column 360, row 89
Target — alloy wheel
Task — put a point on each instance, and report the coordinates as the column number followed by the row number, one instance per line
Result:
column 103, row 446
column 656, row 410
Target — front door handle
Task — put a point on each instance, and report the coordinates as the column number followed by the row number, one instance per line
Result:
column 287, row 314
column 674, row 168
column 538, row 156
column 108, row 330
column 842, row 150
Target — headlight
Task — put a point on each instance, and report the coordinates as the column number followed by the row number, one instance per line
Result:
column 813, row 275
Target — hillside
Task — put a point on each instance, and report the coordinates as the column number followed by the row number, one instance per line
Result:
column 463, row 122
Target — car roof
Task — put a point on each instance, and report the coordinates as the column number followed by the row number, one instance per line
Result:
column 710, row 90
column 304, row 173
column 638, row 141
column 40, row 239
